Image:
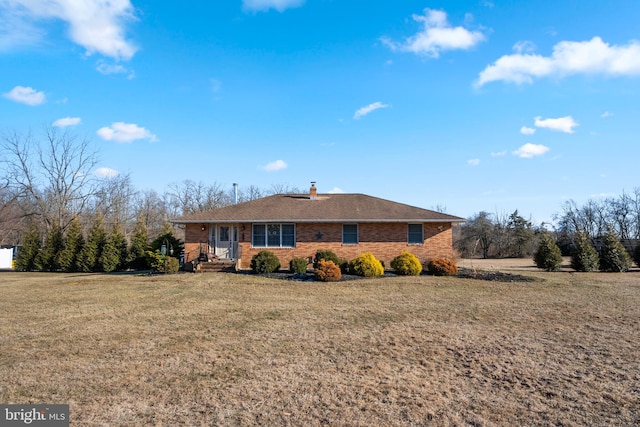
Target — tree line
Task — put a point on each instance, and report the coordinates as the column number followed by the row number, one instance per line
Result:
column 595, row 223
column 66, row 218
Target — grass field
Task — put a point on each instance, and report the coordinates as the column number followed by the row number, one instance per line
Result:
column 227, row 349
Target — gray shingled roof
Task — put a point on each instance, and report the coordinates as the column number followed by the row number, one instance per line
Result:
column 326, row 208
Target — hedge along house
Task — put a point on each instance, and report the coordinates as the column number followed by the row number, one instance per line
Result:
column 297, row 225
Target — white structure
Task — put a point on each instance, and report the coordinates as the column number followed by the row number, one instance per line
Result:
column 6, row 256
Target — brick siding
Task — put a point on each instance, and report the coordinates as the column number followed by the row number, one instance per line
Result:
column 384, row 240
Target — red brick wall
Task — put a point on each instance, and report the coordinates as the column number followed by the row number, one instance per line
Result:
column 385, row 240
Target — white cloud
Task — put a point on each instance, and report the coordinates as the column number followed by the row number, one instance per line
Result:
column 561, row 124
column 473, row 162
column 336, row 190
column 368, row 109
column 275, row 166
column 26, row 95
column 527, row 131
column 524, row 46
column 67, row 121
column 437, row 35
column 529, row 150
column 262, row 5
column 96, row 25
column 106, row 173
column 104, row 68
column 606, row 114
column 568, row 58
column 125, row 132
column 499, row 153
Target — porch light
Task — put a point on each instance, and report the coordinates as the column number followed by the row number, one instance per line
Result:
column 202, row 227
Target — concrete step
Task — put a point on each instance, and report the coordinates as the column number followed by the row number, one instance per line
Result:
column 217, row 265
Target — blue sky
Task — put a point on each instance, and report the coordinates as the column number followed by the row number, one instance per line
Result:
column 468, row 105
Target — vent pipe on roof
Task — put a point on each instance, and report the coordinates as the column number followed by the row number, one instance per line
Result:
column 313, row 192
column 235, row 193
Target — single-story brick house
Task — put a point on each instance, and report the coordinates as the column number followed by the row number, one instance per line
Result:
column 297, row 225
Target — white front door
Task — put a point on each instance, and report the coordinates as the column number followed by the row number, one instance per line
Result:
column 227, row 241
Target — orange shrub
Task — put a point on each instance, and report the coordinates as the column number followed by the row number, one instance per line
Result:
column 327, row 271
column 442, row 267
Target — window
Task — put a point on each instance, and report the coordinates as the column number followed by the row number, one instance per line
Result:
column 350, row 234
column 273, row 235
column 414, row 235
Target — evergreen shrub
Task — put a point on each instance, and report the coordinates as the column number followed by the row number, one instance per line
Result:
column 584, row 256
column 265, row 262
column 548, row 255
column 613, row 255
column 366, row 265
column 298, row 265
column 406, row 264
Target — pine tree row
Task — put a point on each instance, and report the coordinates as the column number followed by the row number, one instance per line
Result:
column 99, row 252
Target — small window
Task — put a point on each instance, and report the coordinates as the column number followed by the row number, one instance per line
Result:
column 415, row 236
column 350, row 234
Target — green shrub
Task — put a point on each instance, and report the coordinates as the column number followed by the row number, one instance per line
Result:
column 548, row 255
column 265, row 262
column 584, row 256
column 366, row 265
column 406, row 264
column 613, row 256
column 171, row 265
column 327, row 271
column 298, row 265
column 327, row 255
column 442, row 267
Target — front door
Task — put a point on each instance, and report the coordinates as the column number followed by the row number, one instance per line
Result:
column 226, row 242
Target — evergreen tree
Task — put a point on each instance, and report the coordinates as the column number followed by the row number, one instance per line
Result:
column 522, row 233
column 73, row 245
column 89, row 256
column 584, row 256
column 25, row 261
column 48, row 258
column 136, row 258
column 114, row 253
column 548, row 255
column 613, row 256
column 173, row 245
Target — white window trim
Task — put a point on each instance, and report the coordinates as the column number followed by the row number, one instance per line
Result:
column 266, row 235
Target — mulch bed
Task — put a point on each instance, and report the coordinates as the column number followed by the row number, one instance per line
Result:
column 463, row 273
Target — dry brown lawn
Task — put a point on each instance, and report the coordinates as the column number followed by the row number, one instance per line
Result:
column 227, row 349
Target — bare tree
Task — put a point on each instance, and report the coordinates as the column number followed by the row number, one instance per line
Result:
column 190, row 197
column 51, row 178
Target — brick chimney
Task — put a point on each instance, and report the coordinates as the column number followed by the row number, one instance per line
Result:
column 313, row 192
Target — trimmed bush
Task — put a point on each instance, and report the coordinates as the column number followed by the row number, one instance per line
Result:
column 406, row 264
column 584, row 256
column 265, row 262
column 366, row 265
column 298, row 265
column 442, row 267
column 548, row 255
column 171, row 265
column 326, row 255
column 327, row 271
column 613, row 256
